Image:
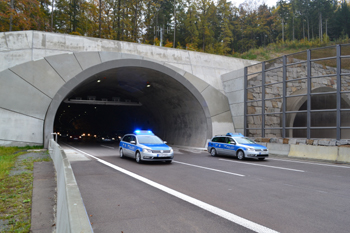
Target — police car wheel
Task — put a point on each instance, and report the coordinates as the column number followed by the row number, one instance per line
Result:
column 213, row 152
column 138, row 157
column 240, row 155
column 121, row 153
column 168, row 161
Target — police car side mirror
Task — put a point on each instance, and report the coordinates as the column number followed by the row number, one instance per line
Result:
column 133, row 142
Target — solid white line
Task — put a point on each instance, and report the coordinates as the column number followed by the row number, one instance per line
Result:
column 220, row 212
column 207, row 168
column 283, row 168
column 109, row 147
column 298, row 161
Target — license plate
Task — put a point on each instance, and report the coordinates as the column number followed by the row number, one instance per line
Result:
column 160, row 155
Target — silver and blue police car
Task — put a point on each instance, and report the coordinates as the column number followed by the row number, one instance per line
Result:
column 143, row 145
column 235, row 144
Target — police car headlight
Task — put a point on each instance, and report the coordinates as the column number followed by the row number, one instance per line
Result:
column 250, row 148
column 147, row 150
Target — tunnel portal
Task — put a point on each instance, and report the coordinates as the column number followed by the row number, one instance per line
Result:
column 120, row 100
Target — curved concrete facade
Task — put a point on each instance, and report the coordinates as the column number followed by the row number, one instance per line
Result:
column 32, row 92
column 34, row 84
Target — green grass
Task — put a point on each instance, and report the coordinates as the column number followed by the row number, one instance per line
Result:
column 16, row 190
column 280, row 48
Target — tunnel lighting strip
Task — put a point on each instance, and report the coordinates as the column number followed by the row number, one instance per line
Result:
column 217, row 211
column 207, row 168
column 283, row 168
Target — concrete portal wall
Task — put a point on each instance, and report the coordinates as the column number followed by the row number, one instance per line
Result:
column 233, row 84
column 36, row 66
column 23, row 46
column 31, row 93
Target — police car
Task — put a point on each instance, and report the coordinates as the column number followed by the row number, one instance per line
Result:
column 235, row 144
column 143, row 145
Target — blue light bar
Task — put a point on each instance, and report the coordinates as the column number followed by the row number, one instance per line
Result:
column 235, row 134
column 143, row 132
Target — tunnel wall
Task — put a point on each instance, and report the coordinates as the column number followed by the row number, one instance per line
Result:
column 31, row 93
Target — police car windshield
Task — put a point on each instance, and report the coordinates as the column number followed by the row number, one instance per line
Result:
column 244, row 141
column 148, row 139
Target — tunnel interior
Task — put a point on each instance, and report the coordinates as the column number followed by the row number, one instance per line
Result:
column 120, row 100
column 321, row 118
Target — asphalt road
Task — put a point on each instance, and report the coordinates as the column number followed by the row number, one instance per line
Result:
column 278, row 194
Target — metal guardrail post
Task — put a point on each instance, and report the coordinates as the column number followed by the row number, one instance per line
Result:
column 263, row 101
column 338, row 48
column 308, row 119
column 284, row 96
column 245, row 99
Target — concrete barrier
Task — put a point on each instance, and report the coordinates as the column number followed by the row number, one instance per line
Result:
column 278, row 149
column 314, row 152
column 71, row 214
column 344, row 154
column 328, row 153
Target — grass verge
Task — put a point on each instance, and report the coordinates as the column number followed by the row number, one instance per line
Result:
column 16, row 185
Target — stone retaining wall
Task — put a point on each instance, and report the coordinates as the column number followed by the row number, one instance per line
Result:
column 273, row 108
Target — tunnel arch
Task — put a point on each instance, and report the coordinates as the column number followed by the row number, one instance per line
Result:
column 195, row 137
column 299, row 103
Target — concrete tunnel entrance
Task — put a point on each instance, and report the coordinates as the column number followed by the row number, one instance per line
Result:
column 117, row 99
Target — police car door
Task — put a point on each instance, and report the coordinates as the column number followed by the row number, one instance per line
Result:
column 132, row 146
column 230, row 147
column 124, row 144
column 220, row 145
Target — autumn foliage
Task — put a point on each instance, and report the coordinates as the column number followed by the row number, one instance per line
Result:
column 209, row 26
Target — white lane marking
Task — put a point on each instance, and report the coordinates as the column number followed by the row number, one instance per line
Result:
column 283, row 168
column 298, row 161
column 109, row 147
column 220, row 212
column 207, row 168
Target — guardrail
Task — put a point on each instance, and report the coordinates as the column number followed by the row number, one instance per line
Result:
column 71, row 214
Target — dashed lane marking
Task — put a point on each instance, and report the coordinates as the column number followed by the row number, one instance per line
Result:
column 207, row 168
column 261, row 165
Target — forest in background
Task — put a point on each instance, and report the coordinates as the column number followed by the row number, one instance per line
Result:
column 216, row 27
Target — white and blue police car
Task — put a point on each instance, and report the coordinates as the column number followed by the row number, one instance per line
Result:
column 235, row 144
column 143, row 145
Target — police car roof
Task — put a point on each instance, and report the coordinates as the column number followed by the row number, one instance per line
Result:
column 143, row 132
column 235, row 134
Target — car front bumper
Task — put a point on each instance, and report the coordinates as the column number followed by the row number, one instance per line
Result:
column 255, row 154
column 157, row 156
